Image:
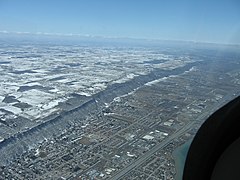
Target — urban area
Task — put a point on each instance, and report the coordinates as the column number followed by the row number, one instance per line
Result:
column 107, row 112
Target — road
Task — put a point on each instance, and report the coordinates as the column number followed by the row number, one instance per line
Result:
column 167, row 140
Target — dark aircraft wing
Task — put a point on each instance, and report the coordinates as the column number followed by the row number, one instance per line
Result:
column 215, row 150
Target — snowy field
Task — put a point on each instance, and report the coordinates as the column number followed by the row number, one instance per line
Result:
column 32, row 86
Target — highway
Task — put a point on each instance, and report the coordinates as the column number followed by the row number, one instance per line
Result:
column 167, row 140
column 153, row 150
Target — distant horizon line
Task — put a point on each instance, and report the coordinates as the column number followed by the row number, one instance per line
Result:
column 113, row 37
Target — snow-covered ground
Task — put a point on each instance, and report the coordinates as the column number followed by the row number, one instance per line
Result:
column 50, row 78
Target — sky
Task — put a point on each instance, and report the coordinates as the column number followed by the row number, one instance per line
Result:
column 216, row 21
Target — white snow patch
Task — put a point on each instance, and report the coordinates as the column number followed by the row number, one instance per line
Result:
column 150, row 83
column 35, row 97
column 14, row 110
column 84, row 94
